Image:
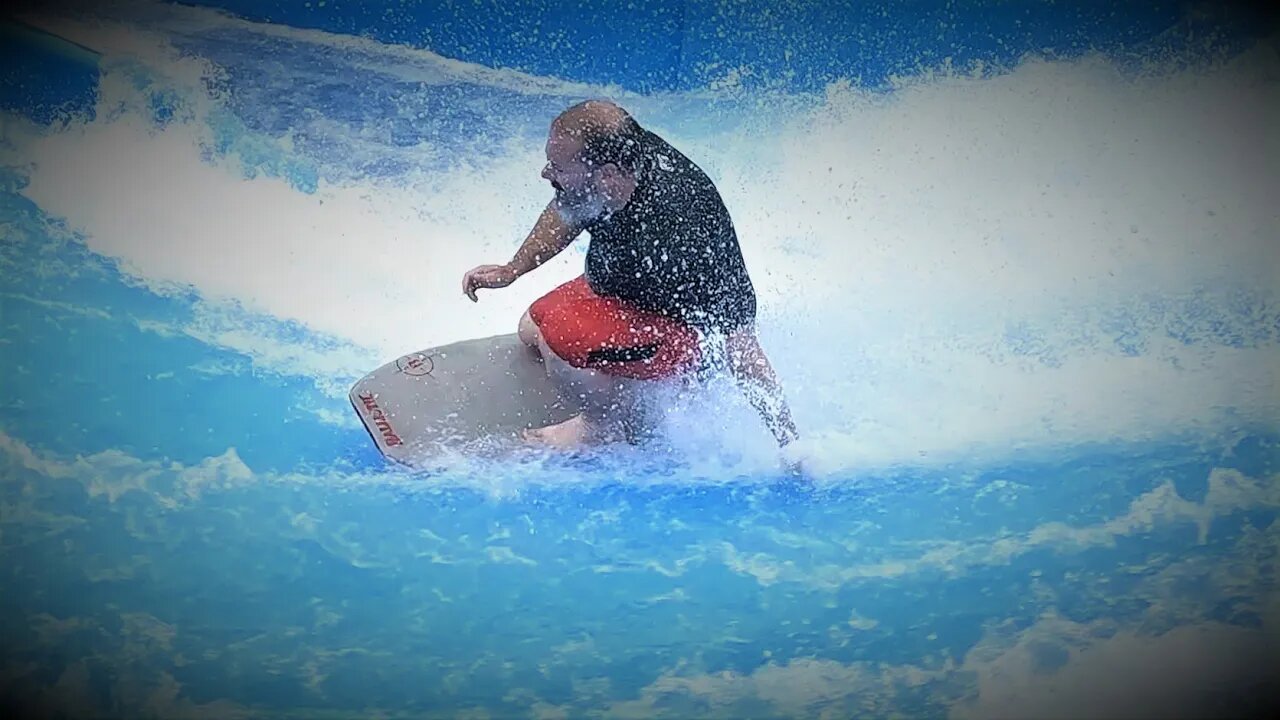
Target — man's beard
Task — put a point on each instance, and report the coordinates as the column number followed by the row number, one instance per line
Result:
column 577, row 208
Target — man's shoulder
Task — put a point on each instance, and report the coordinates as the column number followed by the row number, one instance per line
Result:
column 664, row 157
column 676, row 178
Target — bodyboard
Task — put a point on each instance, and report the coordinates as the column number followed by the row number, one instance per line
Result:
column 469, row 395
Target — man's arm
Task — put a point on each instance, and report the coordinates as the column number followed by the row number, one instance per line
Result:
column 755, row 376
column 549, row 236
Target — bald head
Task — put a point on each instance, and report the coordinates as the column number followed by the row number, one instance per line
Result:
column 601, row 114
column 607, row 133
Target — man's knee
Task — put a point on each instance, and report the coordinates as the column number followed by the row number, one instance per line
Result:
column 528, row 331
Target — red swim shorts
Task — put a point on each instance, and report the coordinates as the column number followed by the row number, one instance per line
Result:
column 612, row 336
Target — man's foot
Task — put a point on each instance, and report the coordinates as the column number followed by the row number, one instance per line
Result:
column 568, row 435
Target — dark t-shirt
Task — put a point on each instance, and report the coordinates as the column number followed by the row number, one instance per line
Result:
column 672, row 249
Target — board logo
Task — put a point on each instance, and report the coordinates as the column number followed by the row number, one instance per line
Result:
column 417, row 364
column 380, row 420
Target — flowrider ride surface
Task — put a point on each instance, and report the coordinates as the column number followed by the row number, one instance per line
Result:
column 453, row 396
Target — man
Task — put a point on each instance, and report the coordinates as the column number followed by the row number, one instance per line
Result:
column 665, row 282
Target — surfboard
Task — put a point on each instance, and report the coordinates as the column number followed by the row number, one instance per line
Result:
column 466, row 395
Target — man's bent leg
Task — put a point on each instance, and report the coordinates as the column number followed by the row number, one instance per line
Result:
column 602, row 398
column 609, row 404
column 528, row 332
column 604, row 355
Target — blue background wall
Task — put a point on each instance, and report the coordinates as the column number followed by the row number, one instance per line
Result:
column 679, row 45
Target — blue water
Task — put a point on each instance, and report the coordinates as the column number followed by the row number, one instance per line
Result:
column 1036, row 495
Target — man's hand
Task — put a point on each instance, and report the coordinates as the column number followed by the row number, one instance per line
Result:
column 796, row 460
column 487, row 276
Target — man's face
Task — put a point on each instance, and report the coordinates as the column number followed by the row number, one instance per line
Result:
column 579, row 194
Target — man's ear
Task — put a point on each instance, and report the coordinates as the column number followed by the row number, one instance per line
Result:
column 614, row 170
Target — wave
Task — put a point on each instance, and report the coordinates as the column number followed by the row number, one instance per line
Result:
column 1063, row 252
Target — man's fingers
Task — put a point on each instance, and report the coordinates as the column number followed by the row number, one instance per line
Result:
column 469, row 285
column 481, row 277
